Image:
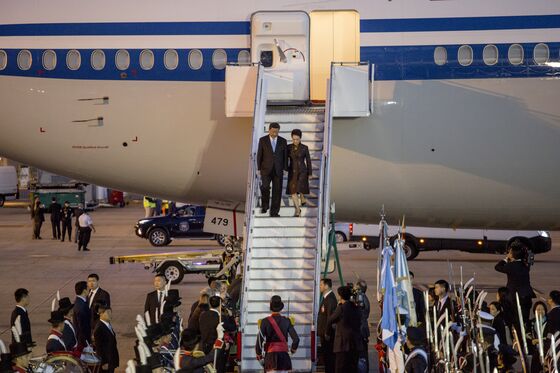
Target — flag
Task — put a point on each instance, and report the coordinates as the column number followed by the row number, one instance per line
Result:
column 389, row 326
column 382, row 237
column 405, row 297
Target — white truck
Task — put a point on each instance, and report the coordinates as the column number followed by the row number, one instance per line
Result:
column 8, row 183
column 419, row 239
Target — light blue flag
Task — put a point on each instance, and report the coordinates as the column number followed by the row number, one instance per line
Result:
column 389, row 326
column 405, row 297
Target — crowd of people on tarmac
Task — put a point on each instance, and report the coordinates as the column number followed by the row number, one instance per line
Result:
column 63, row 217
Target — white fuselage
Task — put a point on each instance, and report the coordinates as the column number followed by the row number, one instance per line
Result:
column 449, row 145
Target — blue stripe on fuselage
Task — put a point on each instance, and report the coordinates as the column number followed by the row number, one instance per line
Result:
column 243, row 27
column 391, row 63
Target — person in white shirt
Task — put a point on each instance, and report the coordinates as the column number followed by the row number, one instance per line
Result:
column 86, row 226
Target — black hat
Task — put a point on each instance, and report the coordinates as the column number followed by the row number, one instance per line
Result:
column 65, row 304
column 57, row 317
column 415, row 334
column 276, row 304
column 154, row 362
column 189, row 338
column 5, row 363
column 173, row 299
column 156, row 331
column 18, row 349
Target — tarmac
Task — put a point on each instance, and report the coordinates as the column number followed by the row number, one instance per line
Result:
column 45, row 266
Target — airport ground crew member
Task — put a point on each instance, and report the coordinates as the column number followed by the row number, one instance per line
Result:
column 56, row 212
column 66, row 220
column 149, row 206
column 273, row 339
column 38, row 216
column 86, row 226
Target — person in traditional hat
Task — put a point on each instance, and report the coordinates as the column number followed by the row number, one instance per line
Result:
column 20, row 353
column 171, row 318
column 159, row 338
column 54, row 341
column 273, row 335
column 417, row 360
column 192, row 359
column 69, row 336
column 105, row 340
column 20, row 313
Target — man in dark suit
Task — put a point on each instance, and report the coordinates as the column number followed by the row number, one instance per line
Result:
column 419, row 304
column 553, row 317
column 96, row 295
column 155, row 298
column 105, row 340
column 518, row 279
column 272, row 161
column 209, row 321
column 66, row 220
column 22, row 302
column 444, row 301
column 347, row 343
column 56, row 212
column 82, row 315
column 326, row 336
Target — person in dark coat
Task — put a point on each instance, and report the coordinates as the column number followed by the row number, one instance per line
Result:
column 69, row 336
column 347, row 339
column 444, row 301
column 66, row 220
column 96, row 295
column 192, row 360
column 209, row 321
column 105, row 340
column 82, row 315
column 55, row 342
column 299, row 171
column 201, row 306
column 38, row 216
column 518, row 281
column 498, row 322
column 417, row 360
column 507, row 308
column 272, row 160
column 20, row 354
column 533, row 343
column 23, row 300
column 419, row 303
column 326, row 336
column 155, row 298
column 56, row 212
column 77, row 213
column 272, row 339
column 553, row 316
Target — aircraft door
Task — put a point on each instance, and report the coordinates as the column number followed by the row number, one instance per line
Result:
column 280, row 41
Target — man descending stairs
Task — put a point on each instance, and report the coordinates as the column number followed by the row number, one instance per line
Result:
column 283, row 253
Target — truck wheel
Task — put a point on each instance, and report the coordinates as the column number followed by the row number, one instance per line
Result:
column 340, row 237
column 2, row 199
column 158, row 237
column 410, row 250
column 173, row 272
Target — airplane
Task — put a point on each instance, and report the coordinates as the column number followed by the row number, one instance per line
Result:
column 465, row 130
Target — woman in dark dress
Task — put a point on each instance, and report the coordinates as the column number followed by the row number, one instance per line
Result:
column 299, row 171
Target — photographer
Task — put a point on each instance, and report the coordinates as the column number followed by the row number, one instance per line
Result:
column 516, row 267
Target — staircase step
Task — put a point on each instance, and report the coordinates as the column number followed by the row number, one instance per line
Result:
column 295, row 308
column 293, row 296
column 285, row 212
column 284, row 117
column 301, row 222
column 282, row 253
column 306, row 137
column 253, row 329
column 285, row 232
column 288, row 285
column 283, row 242
column 272, row 268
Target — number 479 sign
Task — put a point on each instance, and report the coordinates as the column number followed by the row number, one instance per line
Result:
column 224, row 217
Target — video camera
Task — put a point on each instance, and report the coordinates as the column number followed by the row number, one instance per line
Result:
column 522, row 251
column 358, row 293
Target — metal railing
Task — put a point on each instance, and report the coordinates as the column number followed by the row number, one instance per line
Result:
column 252, row 183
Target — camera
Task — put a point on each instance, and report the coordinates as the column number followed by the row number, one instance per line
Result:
column 358, row 293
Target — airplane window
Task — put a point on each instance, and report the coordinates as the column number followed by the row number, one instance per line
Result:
column 465, row 55
column 244, row 57
column 490, row 54
column 219, row 59
column 515, row 54
column 195, row 59
column 24, row 60
column 122, row 59
column 146, row 59
column 440, row 56
column 49, row 60
column 73, row 59
column 3, row 60
column 98, row 60
column 171, row 59
column 541, row 53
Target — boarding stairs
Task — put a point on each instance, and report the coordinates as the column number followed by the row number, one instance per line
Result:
column 283, row 255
